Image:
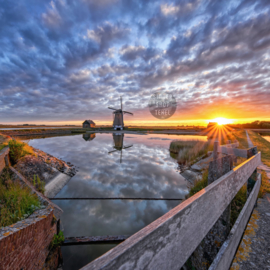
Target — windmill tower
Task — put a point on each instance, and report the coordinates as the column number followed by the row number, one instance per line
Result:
column 119, row 144
column 118, row 120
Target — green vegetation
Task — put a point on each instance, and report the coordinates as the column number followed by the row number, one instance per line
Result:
column 199, row 185
column 189, row 151
column 16, row 202
column 237, row 204
column 57, row 240
column 18, row 150
column 262, row 145
column 38, row 184
column 265, row 186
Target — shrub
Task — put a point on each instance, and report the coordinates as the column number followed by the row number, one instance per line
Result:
column 57, row 240
column 18, row 150
column 16, row 202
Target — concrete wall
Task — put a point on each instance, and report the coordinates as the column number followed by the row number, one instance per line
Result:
column 3, row 154
column 245, row 153
column 25, row 244
column 169, row 241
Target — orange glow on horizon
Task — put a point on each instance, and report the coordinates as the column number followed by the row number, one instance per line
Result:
column 223, row 121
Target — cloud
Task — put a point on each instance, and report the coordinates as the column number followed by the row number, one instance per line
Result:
column 85, row 54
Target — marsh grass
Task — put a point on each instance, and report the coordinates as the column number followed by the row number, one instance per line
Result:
column 18, row 150
column 189, row 151
column 16, row 202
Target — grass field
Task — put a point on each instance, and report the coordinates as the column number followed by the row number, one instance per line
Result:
column 262, row 145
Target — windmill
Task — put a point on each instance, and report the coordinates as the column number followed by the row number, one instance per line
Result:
column 118, row 120
column 118, row 144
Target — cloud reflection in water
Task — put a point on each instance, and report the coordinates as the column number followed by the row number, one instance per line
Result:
column 147, row 170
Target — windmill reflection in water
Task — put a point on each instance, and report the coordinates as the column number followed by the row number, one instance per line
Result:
column 118, row 139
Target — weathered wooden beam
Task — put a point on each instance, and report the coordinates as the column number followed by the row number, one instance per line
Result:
column 119, row 198
column 169, row 241
column 90, row 240
column 226, row 253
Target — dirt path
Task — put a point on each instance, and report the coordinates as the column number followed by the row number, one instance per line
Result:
column 254, row 249
column 250, row 144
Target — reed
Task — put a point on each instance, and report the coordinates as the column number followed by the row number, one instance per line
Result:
column 190, row 151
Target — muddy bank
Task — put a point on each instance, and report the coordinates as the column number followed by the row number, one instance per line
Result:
column 24, row 132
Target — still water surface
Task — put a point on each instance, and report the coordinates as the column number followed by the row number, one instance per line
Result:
column 128, row 166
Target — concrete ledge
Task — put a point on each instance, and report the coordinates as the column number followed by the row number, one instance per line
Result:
column 3, row 153
column 169, row 241
column 226, row 254
column 56, row 184
column 245, row 153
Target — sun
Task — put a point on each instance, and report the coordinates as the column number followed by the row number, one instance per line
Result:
column 222, row 121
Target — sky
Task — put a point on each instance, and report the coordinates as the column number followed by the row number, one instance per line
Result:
column 65, row 61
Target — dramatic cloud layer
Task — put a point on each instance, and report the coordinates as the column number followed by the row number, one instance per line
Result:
column 67, row 60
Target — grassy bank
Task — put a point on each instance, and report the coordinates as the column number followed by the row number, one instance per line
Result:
column 262, row 145
column 16, row 202
column 240, row 136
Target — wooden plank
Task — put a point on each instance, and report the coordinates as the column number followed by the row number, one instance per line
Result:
column 226, row 254
column 87, row 240
column 169, row 241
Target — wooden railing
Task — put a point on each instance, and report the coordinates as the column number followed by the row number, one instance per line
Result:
column 169, row 241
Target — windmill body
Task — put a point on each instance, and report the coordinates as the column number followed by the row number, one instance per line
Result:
column 118, row 119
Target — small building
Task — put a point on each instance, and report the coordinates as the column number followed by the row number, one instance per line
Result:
column 89, row 124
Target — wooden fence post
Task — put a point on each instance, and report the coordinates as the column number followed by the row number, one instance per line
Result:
column 252, row 179
column 206, row 252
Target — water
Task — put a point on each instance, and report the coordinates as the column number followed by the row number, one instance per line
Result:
column 267, row 138
column 128, row 166
column 16, row 128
